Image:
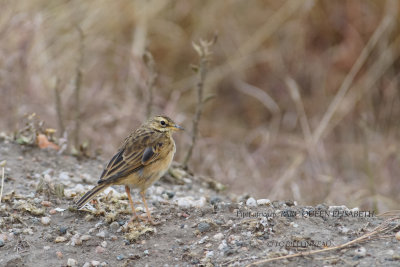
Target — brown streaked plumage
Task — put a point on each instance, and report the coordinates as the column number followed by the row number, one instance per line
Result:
column 143, row 158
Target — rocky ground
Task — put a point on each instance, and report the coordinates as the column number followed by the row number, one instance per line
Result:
column 200, row 225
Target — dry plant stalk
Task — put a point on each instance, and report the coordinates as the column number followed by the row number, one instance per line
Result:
column 203, row 50
column 386, row 22
column 77, row 88
column 2, row 164
column 383, row 227
column 58, row 107
column 149, row 60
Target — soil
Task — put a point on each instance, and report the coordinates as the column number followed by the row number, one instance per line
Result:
column 199, row 225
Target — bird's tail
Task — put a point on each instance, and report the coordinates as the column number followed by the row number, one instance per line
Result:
column 90, row 194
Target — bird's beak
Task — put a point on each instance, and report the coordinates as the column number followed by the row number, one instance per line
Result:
column 178, row 128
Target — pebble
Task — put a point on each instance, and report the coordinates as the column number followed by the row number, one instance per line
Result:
column 63, row 230
column 87, row 264
column 203, row 227
column 100, row 249
column 64, row 176
column 188, row 202
column 223, row 245
column 218, row 236
column 146, row 252
column 76, row 240
column 52, row 211
column 102, row 234
column 2, row 243
column 203, row 240
column 95, row 263
column 46, row 203
column 360, row 252
column 251, row 202
column 72, row 262
column 120, row 257
column 85, row 237
column 45, row 220
column 214, row 200
column 104, row 244
column 60, row 239
column 59, row 255
column 397, row 235
column 46, row 247
column 263, row 201
column 209, row 254
column 114, row 226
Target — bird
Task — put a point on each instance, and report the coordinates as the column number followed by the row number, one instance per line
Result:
column 142, row 159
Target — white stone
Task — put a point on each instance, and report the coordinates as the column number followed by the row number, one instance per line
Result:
column 95, row 263
column 188, row 202
column 361, row 252
column 72, row 262
column 45, row 220
column 263, row 201
column 218, row 236
column 251, row 202
column 64, row 176
column 209, row 254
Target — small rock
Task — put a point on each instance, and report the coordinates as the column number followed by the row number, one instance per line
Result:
column 251, row 202
column 72, row 262
column 218, row 236
column 223, row 245
column 87, row 264
column 95, row 263
column 203, row 240
column 263, row 201
column 214, row 200
column 360, row 252
column 2, row 243
column 27, row 231
column 64, row 176
column 59, row 255
column 46, row 247
column 45, row 220
column 85, row 237
column 46, row 203
column 60, row 239
column 114, row 226
column 146, row 252
column 104, row 244
column 397, row 235
column 102, row 234
column 210, row 254
column 120, row 257
column 63, row 230
column 203, row 227
column 100, row 249
column 76, row 240
column 52, row 211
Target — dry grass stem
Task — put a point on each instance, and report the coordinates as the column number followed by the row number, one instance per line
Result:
column 382, row 228
column 77, row 89
column 387, row 21
column 59, row 107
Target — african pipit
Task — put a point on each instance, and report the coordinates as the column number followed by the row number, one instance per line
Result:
column 143, row 158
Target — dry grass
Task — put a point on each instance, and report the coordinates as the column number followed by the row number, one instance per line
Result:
column 307, row 99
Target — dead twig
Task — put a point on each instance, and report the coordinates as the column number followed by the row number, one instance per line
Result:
column 58, row 107
column 77, row 88
column 149, row 60
column 383, row 227
column 2, row 164
column 203, row 50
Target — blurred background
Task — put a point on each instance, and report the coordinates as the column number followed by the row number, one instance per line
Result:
column 305, row 94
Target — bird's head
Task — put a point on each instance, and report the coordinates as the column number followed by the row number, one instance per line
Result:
column 163, row 124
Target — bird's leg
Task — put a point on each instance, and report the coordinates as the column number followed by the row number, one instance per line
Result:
column 149, row 219
column 128, row 192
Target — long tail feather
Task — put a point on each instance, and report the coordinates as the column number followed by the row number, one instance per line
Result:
column 90, row 194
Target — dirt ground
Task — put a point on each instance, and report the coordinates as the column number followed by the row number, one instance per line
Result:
column 199, row 225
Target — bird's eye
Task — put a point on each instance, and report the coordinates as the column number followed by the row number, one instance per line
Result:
column 162, row 123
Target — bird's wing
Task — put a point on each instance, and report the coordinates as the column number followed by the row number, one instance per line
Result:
column 138, row 150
